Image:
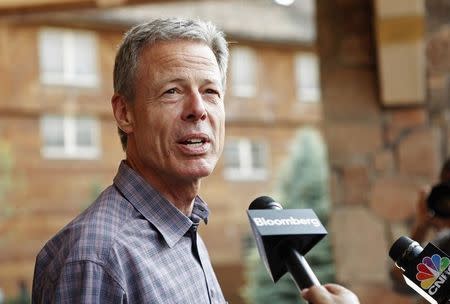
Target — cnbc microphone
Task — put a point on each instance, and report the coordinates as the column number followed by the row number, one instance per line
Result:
column 426, row 270
column 283, row 238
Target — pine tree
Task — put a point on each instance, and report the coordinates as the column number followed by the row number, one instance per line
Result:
column 303, row 183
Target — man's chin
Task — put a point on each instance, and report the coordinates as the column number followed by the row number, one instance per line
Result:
column 197, row 172
column 200, row 173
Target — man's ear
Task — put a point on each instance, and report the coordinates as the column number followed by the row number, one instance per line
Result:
column 122, row 113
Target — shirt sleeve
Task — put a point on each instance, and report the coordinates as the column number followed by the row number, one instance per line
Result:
column 81, row 282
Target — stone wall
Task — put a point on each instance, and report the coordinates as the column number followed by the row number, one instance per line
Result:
column 438, row 67
column 379, row 156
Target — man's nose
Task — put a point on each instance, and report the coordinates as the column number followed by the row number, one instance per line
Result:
column 194, row 108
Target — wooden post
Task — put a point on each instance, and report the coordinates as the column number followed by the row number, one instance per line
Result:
column 400, row 47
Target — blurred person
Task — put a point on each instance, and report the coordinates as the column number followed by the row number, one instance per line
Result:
column 329, row 294
column 426, row 221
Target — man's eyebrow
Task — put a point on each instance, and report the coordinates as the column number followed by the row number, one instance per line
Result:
column 203, row 81
column 178, row 79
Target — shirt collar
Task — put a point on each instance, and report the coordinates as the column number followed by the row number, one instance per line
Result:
column 168, row 220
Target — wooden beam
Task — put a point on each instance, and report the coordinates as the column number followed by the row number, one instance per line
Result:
column 109, row 3
column 31, row 6
column 400, row 46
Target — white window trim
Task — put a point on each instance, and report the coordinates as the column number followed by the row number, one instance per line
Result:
column 238, row 89
column 244, row 90
column 246, row 172
column 68, row 77
column 70, row 150
column 307, row 94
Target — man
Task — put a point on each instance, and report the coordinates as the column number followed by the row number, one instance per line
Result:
column 138, row 242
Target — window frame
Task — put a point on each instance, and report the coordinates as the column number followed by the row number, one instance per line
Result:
column 247, row 88
column 70, row 149
column 246, row 170
column 306, row 93
column 68, row 75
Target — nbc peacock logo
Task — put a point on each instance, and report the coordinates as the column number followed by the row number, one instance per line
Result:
column 431, row 269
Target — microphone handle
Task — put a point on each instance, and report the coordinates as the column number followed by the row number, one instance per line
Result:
column 299, row 269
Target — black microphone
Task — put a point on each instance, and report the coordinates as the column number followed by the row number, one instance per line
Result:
column 426, row 270
column 283, row 237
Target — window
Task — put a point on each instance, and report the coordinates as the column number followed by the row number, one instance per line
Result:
column 68, row 57
column 245, row 160
column 70, row 137
column 307, row 77
column 243, row 72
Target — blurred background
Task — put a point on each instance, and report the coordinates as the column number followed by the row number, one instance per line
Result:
column 336, row 105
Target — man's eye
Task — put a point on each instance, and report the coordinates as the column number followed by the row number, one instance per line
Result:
column 211, row 91
column 171, row 91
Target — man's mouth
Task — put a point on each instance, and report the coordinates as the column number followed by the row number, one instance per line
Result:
column 194, row 142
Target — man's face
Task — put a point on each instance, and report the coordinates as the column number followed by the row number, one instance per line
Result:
column 178, row 112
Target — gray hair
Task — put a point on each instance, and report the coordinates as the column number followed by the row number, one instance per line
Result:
column 149, row 33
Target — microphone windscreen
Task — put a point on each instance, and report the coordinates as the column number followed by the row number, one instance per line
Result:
column 264, row 202
column 398, row 248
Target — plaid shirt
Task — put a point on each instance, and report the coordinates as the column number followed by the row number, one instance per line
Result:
column 130, row 246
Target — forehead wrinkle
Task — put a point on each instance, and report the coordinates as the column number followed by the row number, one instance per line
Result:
column 183, row 73
column 187, row 67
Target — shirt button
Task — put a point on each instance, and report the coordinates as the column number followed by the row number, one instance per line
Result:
column 211, row 292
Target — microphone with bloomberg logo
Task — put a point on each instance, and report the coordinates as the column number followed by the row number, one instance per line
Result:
column 283, row 237
column 426, row 270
